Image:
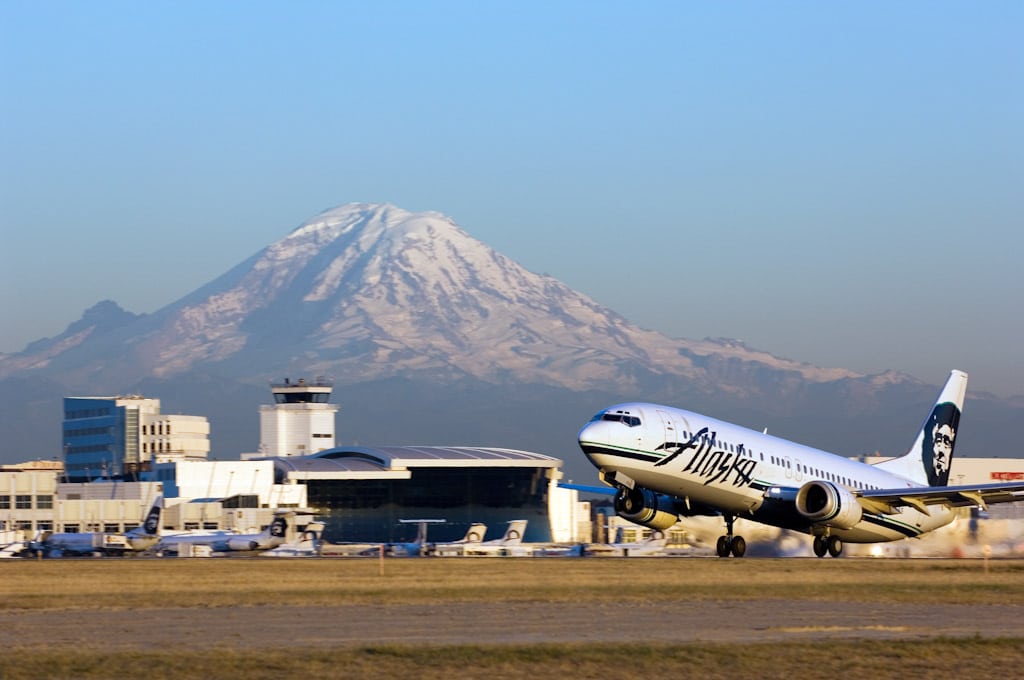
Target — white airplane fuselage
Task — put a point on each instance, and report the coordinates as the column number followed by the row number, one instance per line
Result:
column 741, row 472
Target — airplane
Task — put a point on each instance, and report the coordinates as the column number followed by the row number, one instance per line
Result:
column 652, row 545
column 418, row 546
column 415, row 548
column 473, row 536
column 665, row 463
column 89, row 543
column 227, row 541
column 13, row 543
column 14, row 549
column 307, row 545
column 351, row 549
column 509, row 545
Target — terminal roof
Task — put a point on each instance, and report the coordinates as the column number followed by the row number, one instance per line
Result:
column 395, row 462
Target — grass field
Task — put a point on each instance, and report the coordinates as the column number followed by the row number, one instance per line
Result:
column 933, row 659
column 139, row 585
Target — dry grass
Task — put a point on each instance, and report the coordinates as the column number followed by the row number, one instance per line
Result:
column 935, row 659
column 148, row 583
column 141, row 584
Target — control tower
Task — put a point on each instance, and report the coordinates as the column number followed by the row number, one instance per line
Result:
column 301, row 421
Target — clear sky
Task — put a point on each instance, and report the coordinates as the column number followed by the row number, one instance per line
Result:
column 839, row 183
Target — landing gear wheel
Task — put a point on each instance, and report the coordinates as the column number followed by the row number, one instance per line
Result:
column 820, row 546
column 723, row 546
column 835, row 546
column 739, row 546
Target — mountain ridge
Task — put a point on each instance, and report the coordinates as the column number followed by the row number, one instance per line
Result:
column 381, row 298
column 411, row 291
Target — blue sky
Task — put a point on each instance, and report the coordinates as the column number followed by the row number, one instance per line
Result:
column 839, row 183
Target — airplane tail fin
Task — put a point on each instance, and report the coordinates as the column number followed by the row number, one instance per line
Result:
column 476, row 533
column 514, row 533
column 929, row 459
column 151, row 525
column 280, row 529
column 311, row 535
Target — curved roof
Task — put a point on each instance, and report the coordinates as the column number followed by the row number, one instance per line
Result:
column 394, row 462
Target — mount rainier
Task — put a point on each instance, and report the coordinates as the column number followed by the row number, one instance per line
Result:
column 430, row 337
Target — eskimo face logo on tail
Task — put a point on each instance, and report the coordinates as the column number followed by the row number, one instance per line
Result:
column 277, row 527
column 152, row 521
column 939, row 440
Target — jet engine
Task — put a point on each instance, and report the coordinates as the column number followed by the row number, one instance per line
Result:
column 242, row 544
column 828, row 504
column 646, row 508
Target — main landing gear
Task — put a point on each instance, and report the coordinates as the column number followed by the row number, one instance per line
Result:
column 729, row 544
column 828, row 544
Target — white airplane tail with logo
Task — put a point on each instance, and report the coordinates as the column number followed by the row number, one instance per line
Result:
column 514, row 533
column 148, row 533
column 929, row 459
column 281, row 530
column 151, row 525
column 476, row 533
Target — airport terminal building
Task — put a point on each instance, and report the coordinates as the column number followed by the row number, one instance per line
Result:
column 361, row 493
column 125, row 443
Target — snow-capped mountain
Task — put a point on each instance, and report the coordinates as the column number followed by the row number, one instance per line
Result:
column 364, row 291
column 433, row 337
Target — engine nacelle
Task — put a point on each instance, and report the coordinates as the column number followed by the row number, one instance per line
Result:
column 828, row 504
column 242, row 544
column 646, row 508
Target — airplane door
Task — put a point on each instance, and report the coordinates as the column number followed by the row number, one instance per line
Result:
column 798, row 473
column 668, row 425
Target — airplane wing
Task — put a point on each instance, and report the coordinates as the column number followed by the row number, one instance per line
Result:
column 920, row 497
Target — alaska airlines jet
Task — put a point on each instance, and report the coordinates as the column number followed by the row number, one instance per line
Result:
column 665, row 463
column 307, row 545
column 277, row 533
column 139, row 538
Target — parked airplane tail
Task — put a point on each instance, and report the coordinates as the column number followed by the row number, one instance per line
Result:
column 929, row 459
column 476, row 533
column 148, row 533
column 280, row 529
column 151, row 525
column 514, row 533
column 312, row 533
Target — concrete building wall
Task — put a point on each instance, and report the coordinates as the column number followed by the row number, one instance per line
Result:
column 102, row 506
column 27, row 500
column 569, row 517
column 223, row 479
column 180, row 436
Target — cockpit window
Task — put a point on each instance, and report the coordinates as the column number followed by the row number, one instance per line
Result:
column 629, row 420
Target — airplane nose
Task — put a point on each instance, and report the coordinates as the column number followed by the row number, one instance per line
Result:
column 595, row 432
